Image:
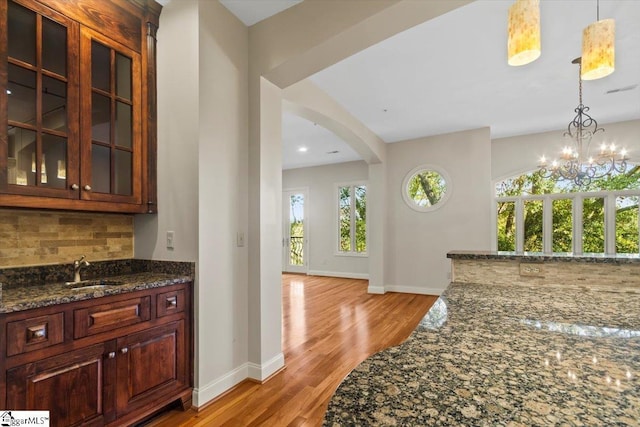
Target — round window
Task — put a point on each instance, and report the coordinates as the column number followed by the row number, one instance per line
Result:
column 426, row 188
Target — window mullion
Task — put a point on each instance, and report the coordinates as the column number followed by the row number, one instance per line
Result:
column 520, row 225
column 610, row 224
column 577, row 224
column 547, row 225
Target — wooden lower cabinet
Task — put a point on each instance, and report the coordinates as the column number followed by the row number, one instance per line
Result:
column 69, row 386
column 150, row 363
column 114, row 378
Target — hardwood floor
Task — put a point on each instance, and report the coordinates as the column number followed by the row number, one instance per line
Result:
column 330, row 325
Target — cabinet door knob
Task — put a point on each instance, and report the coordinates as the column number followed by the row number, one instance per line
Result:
column 111, row 355
column 172, row 302
column 87, row 187
column 124, row 350
column 74, row 186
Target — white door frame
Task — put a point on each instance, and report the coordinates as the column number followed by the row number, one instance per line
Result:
column 286, row 238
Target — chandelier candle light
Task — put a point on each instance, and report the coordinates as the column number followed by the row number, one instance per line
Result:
column 577, row 164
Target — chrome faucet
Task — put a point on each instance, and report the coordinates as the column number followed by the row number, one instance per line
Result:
column 77, row 266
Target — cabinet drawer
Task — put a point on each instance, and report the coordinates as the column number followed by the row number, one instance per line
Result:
column 170, row 303
column 34, row 333
column 107, row 317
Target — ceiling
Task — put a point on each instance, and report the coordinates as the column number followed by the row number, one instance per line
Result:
column 451, row 74
column 253, row 11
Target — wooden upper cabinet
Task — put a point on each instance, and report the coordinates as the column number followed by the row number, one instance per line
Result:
column 78, row 105
column 111, row 153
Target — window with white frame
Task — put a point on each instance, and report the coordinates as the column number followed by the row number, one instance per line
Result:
column 537, row 214
column 352, row 219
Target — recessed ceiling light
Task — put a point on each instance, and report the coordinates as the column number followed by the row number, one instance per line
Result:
column 8, row 92
column 303, row 149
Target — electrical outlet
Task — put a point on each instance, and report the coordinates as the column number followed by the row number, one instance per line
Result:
column 169, row 239
column 240, row 239
column 531, row 269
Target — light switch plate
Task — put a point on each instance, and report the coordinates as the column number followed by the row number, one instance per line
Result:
column 170, row 239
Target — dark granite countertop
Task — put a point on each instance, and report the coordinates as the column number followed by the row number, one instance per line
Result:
column 28, row 297
column 505, row 356
column 539, row 257
column 26, row 288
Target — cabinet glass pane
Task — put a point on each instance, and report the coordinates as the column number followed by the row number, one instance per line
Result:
column 123, row 76
column 100, row 118
column 54, row 47
column 22, row 33
column 54, row 102
column 53, row 170
column 123, row 124
column 100, row 168
column 22, row 96
column 123, row 173
column 100, row 66
column 21, row 160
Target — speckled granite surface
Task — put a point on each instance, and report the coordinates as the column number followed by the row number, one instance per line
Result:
column 538, row 257
column 33, row 287
column 40, row 275
column 505, row 356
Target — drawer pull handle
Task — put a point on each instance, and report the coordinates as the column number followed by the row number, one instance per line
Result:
column 37, row 333
column 111, row 355
column 124, row 350
column 172, row 302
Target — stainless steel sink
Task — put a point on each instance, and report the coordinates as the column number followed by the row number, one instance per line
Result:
column 93, row 284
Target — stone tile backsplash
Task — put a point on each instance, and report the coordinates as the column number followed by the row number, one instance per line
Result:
column 31, row 237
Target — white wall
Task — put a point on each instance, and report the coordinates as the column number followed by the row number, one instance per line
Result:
column 202, row 179
column 419, row 241
column 178, row 140
column 320, row 216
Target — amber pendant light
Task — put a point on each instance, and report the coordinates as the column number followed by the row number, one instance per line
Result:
column 598, row 48
column 523, row 45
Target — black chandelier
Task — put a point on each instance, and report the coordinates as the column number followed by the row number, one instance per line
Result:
column 576, row 163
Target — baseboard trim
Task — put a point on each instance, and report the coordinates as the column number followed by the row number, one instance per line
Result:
column 376, row 289
column 345, row 275
column 264, row 371
column 413, row 290
column 204, row 395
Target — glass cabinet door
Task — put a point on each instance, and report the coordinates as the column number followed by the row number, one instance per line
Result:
column 111, row 120
column 42, row 131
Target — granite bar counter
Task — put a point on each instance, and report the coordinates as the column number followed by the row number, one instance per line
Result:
column 540, row 257
column 26, row 288
column 536, row 269
column 505, row 356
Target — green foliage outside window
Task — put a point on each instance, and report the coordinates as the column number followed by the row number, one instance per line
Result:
column 296, row 230
column 426, row 188
column 352, row 239
column 593, row 213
